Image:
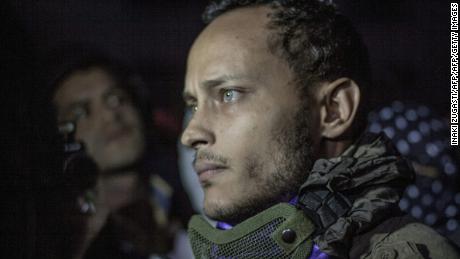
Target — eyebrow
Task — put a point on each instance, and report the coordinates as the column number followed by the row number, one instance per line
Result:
column 66, row 111
column 114, row 89
column 211, row 83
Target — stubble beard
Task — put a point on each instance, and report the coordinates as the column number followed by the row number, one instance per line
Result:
column 292, row 163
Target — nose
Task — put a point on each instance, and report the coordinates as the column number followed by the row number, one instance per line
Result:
column 108, row 114
column 198, row 132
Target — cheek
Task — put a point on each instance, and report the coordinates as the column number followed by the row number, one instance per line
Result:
column 84, row 132
column 88, row 135
column 131, row 117
column 229, row 188
column 239, row 137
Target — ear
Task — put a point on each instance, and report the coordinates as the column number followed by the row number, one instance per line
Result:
column 339, row 101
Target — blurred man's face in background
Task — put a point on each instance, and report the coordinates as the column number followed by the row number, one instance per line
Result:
column 106, row 120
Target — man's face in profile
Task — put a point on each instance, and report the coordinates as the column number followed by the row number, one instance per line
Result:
column 106, row 120
column 249, row 128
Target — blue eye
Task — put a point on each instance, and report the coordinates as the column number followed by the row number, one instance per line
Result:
column 192, row 108
column 230, row 95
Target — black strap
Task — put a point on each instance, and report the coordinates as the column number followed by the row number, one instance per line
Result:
column 323, row 206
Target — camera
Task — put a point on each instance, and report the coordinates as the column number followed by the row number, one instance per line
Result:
column 80, row 171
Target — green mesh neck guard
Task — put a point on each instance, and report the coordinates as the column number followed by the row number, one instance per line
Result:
column 281, row 231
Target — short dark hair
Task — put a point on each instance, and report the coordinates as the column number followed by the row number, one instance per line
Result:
column 318, row 43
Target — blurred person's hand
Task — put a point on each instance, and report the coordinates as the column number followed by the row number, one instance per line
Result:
column 119, row 201
column 108, row 196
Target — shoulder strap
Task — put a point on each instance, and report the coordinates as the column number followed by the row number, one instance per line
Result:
column 322, row 205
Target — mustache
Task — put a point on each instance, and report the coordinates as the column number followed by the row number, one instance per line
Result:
column 211, row 157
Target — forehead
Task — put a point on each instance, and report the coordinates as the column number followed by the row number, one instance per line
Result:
column 236, row 41
column 82, row 85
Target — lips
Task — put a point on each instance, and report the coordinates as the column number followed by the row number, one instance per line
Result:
column 114, row 135
column 207, row 170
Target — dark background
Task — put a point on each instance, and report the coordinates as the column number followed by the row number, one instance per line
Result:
column 408, row 42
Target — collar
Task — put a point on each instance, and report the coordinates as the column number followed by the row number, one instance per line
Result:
column 350, row 194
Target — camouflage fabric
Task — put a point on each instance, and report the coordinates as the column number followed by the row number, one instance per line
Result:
column 374, row 180
column 401, row 237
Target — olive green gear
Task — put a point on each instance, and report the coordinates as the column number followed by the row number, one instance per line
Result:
column 261, row 236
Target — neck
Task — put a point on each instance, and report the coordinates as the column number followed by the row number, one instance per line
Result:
column 118, row 190
column 331, row 148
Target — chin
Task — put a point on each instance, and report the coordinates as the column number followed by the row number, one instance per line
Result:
column 119, row 162
column 221, row 207
column 214, row 204
column 235, row 207
column 216, row 212
column 122, row 155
